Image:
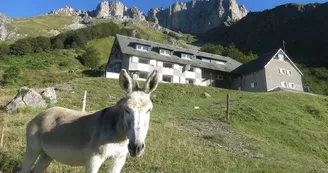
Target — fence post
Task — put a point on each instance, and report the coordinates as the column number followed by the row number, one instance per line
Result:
column 84, row 101
column 228, row 108
column 2, row 136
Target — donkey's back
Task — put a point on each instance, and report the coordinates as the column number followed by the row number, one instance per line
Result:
column 61, row 134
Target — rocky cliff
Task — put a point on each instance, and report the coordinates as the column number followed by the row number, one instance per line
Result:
column 4, row 33
column 197, row 16
column 105, row 9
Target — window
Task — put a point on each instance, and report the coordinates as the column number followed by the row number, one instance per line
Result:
column 292, row 85
column 186, row 56
column 142, row 47
column 165, row 52
column 192, row 69
column 219, row 77
column 167, row 78
column 143, row 61
column 280, row 57
column 220, row 62
column 284, row 84
column 167, row 65
column 206, row 60
column 190, row 81
column 282, row 71
column 143, row 75
column 254, row 85
column 116, row 67
column 289, row 72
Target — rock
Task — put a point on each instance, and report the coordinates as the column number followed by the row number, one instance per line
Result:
column 26, row 97
column 196, row 107
column 135, row 14
column 65, row 87
column 50, row 93
column 206, row 95
column 66, row 11
column 197, row 16
column 110, row 9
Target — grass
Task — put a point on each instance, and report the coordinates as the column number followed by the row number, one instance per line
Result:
column 269, row 132
column 40, row 25
column 104, row 46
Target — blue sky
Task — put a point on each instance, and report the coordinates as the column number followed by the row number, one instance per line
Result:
column 27, row 8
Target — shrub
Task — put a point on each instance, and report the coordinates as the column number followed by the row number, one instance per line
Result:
column 11, row 75
column 21, row 47
column 91, row 58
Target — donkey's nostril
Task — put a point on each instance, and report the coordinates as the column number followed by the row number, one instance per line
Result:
column 142, row 146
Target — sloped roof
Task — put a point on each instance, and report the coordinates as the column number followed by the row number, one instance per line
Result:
column 261, row 62
column 256, row 64
column 127, row 44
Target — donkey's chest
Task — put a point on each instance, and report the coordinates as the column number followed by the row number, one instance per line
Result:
column 113, row 149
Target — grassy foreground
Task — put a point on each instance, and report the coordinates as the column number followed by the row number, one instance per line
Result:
column 269, row 132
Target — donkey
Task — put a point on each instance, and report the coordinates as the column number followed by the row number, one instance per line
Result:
column 81, row 139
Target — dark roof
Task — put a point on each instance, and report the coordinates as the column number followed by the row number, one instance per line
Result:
column 255, row 64
column 127, row 47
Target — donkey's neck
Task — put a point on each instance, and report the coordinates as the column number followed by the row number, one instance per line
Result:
column 112, row 123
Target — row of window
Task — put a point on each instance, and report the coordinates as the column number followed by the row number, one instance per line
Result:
column 165, row 78
column 185, row 56
column 285, row 72
column 288, row 85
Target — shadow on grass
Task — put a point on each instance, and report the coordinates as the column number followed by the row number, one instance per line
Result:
column 93, row 73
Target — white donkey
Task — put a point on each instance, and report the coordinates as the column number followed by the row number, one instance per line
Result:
column 80, row 139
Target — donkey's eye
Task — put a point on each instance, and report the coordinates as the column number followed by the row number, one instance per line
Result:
column 148, row 111
column 126, row 111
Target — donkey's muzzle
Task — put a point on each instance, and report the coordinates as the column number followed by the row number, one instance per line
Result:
column 136, row 150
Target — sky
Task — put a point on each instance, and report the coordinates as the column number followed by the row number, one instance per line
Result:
column 28, row 8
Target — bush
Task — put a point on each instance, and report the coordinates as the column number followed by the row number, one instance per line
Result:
column 91, row 58
column 11, row 75
column 21, row 47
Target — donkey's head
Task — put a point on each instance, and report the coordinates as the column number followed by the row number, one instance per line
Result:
column 137, row 107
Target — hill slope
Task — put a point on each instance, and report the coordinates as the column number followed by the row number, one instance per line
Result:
column 269, row 132
column 302, row 27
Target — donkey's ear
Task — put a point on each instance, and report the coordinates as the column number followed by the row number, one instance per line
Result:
column 126, row 82
column 151, row 82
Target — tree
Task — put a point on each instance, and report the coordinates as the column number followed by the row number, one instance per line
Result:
column 91, row 58
column 43, row 43
column 21, row 47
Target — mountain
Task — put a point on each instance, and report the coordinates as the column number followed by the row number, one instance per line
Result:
column 302, row 27
column 197, row 16
column 105, row 9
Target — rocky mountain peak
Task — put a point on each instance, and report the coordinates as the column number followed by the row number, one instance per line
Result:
column 66, row 11
column 197, row 16
column 4, row 19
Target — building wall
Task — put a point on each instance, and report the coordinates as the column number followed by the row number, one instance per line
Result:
column 275, row 78
column 244, row 82
column 177, row 73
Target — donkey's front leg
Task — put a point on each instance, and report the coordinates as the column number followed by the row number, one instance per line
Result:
column 93, row 164
column 116, row 164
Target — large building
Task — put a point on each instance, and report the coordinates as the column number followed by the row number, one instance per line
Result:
column 178, row 65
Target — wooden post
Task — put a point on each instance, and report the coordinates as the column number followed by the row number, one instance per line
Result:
column 84, row 101
column 211, row 80
column 228, row 108
column 2, row 136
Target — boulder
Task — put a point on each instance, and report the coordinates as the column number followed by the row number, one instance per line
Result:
column 50, row 93
column 26, row 97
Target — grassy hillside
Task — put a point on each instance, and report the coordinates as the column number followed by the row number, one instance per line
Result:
column 104, row 46
column 40, row 25
column 269, row 132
